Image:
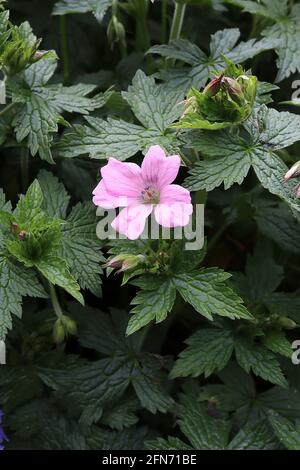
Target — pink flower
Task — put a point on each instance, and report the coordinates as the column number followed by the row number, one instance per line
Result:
column 142, row 190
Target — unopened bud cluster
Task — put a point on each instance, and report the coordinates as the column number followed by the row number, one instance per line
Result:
column 227, row 99
column 63, row 327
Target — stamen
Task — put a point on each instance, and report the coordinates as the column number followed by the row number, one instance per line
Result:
column 150, row 195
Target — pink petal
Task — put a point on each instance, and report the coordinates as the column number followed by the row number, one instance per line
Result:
column 168, row 171
column 131, row 220
column 174, row 193
column 174, row 215
column 122, row 179
column 151, row 163
column 157, row 169
column 103, row 198
column 175, row 206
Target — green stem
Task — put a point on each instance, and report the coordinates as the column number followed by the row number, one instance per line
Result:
column 177, row 21
column 164, row 20
column 7, row 108
column 54, row 300
column 65, row 49
column 24, row 164
column 142, row 33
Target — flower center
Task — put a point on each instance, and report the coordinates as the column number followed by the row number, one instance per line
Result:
column 150, row 195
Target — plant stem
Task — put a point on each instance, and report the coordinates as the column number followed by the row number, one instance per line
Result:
column 24, row 164
column 142, row 34
column 177, row 21
column 164, row 20
column 7, row 108
column 54, row 300
column 65, row 49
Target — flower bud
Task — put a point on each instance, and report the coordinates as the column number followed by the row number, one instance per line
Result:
column 232, row 87
column 69, row 325
column 227, row 100
column 63, row 327
column 293, row 172
column 214, row 86
column 125, row 262
column 22, row 235
column 287, row 323
column 58, row 332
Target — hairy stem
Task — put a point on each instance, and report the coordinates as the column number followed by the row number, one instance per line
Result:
column 164, row 20
column 54, row 300
column 142, row 33
column 7, row 108
column 65, row 49
column 177, row 21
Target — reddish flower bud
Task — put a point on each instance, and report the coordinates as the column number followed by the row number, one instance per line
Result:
column 124, row 262
column 213, row 86
column 293, row 172
column 233, row 87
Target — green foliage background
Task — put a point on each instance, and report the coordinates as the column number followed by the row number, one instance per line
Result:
column 193, row 350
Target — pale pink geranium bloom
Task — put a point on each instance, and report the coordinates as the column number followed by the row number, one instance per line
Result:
column 140, row 190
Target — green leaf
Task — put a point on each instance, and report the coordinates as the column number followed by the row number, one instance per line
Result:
column 97, row 7
column 268, row 131
column 208, row 293
column 254, row 436
column 40, row 106
column 201, row 66
column 284, row 304
column 153, row 302
column 262, row 362
column 128, row 439
column 153, row 106
column 55, row 197
column 285, row 31
column 59, row 434
column 81, row 247
column 171, row 443
column 285, row 401
column 287, row 432
column 208, row 351
column 16, row 281
column 148, row 383
column 279, row 225
column 56, row 270
column 29, row 206
column 232, row 168
column 103, row 333
column 122, row 415
column 262, row 274
column 203, row 431
column 101, row 384
column 276, row 341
